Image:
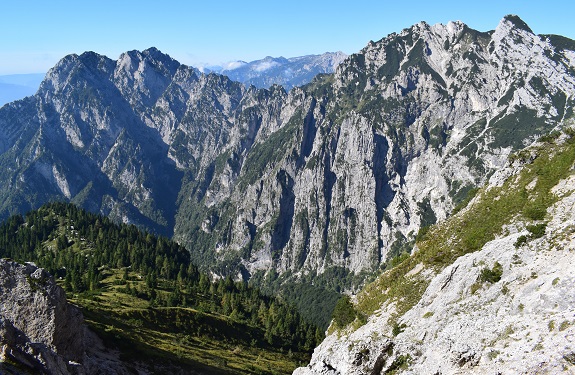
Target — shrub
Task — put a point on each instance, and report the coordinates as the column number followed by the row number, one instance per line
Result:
column 475, row 287
column 520, row 241
column 564, row 325
column 492, row 275
column 535, row 211
column 537, row 230
column 422, row 232
column 344, row 312
column 398, row 328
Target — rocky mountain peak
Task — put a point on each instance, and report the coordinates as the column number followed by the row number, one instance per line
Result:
column 516, row 22
column 288, row 72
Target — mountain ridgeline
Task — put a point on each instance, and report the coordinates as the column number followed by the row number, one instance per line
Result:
column 289, row 73
column 328, row 182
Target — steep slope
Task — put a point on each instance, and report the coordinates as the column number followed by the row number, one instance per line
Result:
column 488, row 291
column 109, row 134
column 289, row 73
column 324, row 184
column 386, row 145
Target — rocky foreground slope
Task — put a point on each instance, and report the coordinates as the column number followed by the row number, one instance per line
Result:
column 506, row 305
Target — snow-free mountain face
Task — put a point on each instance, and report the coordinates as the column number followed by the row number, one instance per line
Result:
column 295, row 71
column 326, row 183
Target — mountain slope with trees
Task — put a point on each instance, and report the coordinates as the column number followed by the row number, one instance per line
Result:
column 142, row 294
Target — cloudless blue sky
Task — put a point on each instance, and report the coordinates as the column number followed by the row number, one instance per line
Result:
column 35, row 34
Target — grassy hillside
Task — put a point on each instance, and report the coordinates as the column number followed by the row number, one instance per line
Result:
column 142, row 295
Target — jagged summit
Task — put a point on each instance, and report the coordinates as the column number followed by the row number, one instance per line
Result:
column 517, row 22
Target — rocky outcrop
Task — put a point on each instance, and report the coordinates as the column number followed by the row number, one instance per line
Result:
column 38, row 327
column 40, row 333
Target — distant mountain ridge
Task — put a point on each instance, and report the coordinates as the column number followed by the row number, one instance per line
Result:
column 289, row 73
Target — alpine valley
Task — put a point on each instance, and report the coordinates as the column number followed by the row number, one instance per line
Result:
column 430, row 175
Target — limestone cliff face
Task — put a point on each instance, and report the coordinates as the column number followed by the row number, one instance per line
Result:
column 337, row 175
column 365, row 157
column 37, row 327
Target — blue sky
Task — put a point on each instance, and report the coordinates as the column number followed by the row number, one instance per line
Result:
column 34, row 35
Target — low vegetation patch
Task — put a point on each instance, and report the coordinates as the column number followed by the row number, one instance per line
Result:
column 492, row 275
column 344, row 312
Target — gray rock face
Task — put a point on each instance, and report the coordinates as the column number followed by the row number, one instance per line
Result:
column 41, row 333
column 335, row 176
column 37, row 327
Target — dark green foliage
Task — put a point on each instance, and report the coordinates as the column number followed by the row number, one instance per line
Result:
column 511, row 129
column 398, row 328
column 344, row 313
column 551, row 137
column 268, row 152
column 396, row 260
column 520, row 241
column 426, row 212
column 492, row 275
column 399, row 363
column 535, row 210
column 518, row 22
column 82, row 248
column 560, row 43
column 422, row 232
column 537, row 230
column 570, row 357
column 313, row 302
column 398, row 251
column 469, row 194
